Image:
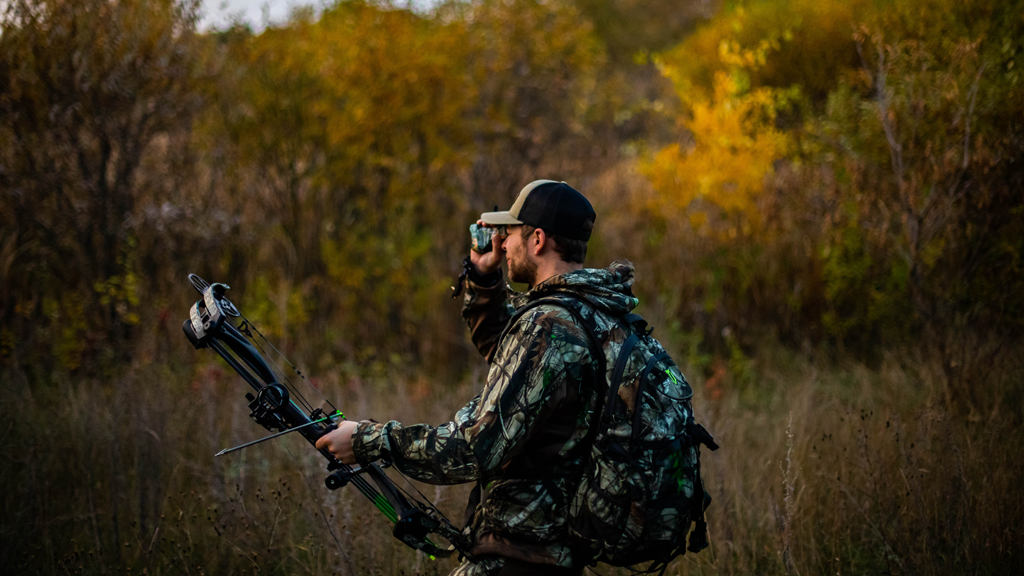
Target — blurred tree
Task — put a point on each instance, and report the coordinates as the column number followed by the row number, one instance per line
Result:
column 634, row 29
column 341, row 140
column 928, row 135
column 86, row 89
column 802, row 43
column 538, row 109
column 356, row 140
column 715, row 178
column 852, row 169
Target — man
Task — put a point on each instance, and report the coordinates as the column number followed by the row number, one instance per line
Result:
column 523, row 438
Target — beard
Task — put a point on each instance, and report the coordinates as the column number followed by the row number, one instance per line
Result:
column 523, row 270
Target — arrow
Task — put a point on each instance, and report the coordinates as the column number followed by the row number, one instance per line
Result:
column 275, row 435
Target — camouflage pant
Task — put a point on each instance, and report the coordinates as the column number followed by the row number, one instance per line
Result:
column 488, row 567
column 494, row 567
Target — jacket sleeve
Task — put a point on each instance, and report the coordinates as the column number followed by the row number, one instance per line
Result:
column 485, row 311
column 536, row 374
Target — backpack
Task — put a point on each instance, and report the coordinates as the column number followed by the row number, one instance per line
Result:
column 641, row 486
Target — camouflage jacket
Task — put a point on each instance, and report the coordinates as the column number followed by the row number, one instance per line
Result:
column 519, row 437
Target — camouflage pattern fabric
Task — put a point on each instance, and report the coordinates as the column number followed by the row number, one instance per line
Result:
column 639, row 491
column 483, row 567
column 519, row 437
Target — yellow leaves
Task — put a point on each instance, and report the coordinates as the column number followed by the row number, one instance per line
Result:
column 370, row 87
column 717, row 181
column 716, row 175
column 120, row 292
column 732, row 78
column 732, row 53
column 384, row 73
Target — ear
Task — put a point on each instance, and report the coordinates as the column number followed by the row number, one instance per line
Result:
column 538, row 241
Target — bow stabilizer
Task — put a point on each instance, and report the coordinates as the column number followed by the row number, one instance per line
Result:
column 214, row 322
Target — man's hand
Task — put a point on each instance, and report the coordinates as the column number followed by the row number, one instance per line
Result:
column 490, row 261
column 339, row 441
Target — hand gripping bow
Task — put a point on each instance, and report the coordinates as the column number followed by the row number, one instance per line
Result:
column 215, row 323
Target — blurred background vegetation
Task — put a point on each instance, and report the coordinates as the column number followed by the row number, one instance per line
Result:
column 823, row 199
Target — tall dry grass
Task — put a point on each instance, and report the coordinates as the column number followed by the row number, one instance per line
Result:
column 824, row 469
column 119, row 477
column 842, row 469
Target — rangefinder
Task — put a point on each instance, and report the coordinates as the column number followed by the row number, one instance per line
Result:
column 481, row 238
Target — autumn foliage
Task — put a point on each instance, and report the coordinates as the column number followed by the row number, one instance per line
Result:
column 823, row 199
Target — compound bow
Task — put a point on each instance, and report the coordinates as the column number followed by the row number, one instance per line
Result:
column 215, row 323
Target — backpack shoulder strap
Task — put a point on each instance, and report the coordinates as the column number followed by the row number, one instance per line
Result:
column 596, row 350
column 635, row 326
column 616, row 377
column 560, row 301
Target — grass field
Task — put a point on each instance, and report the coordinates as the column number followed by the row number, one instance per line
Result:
column 824, row 469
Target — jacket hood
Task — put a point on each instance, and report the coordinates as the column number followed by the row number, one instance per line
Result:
column 609, row 289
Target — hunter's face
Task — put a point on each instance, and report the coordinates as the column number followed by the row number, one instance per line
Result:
column 521, row 268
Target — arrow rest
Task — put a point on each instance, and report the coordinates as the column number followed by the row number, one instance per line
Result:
column 264, row 407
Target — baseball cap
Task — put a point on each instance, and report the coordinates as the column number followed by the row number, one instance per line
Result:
column 554, row 207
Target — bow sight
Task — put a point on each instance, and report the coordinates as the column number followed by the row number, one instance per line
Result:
column 214, row 322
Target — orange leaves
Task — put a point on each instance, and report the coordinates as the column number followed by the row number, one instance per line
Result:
column 717, row 180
